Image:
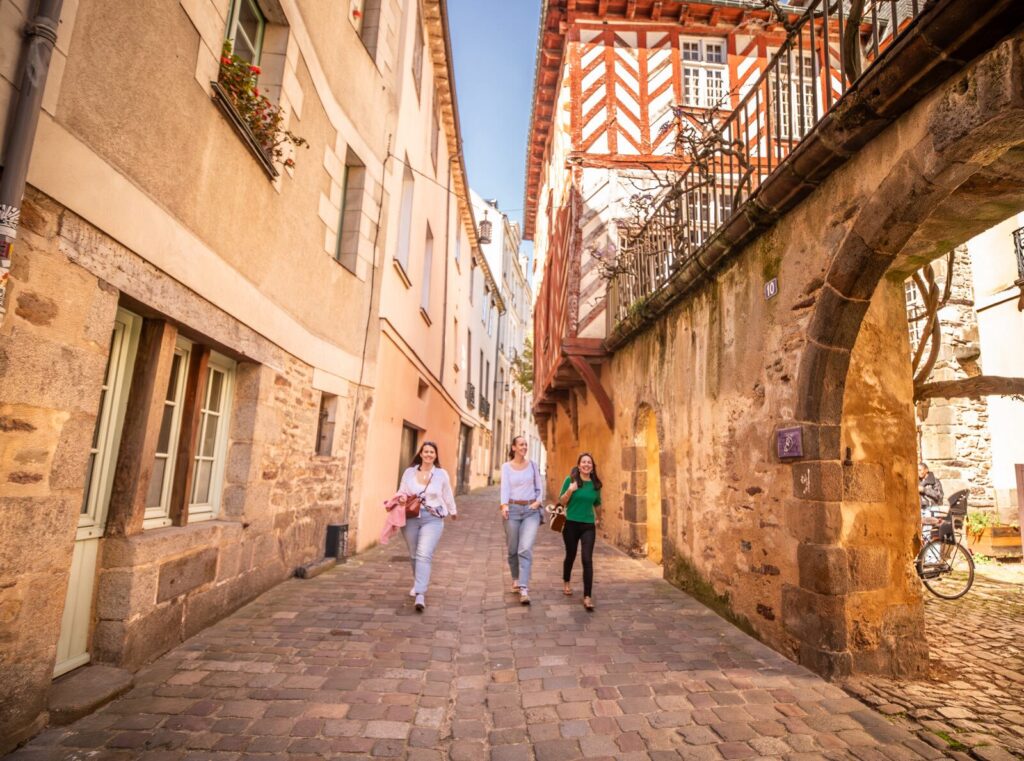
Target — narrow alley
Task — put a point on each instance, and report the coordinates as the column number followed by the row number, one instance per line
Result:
column 341, row 666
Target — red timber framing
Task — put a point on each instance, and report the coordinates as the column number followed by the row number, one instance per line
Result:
column 562, row 360
column 626, row 72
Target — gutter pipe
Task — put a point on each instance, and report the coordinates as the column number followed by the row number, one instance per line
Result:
column 41, row 36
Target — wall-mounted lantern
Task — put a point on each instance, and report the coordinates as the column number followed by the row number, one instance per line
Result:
column 485, row 230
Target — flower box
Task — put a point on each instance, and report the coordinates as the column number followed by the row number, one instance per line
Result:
column 1001, row 542
column 223, row 101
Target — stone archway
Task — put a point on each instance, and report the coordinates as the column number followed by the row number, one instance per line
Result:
column 957, row 169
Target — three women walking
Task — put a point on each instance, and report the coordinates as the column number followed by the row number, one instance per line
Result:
column 427, row 479
column 581, row 495
column 522, row 496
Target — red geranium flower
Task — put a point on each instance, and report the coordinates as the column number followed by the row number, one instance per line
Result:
column 255, row 69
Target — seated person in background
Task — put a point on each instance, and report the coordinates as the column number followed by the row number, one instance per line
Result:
column 930, row 490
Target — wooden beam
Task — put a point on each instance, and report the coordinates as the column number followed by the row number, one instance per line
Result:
column 142, row 418
column 594, row 384
column 971, row 388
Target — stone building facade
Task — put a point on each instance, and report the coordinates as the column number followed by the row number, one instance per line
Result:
column 194, row 346
column 953, row 434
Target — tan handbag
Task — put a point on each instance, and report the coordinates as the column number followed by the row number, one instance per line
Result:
column 557, row 517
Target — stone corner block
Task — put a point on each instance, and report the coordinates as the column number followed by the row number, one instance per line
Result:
column 186, row 573
column 824, row 568
column 820, row 481
column 864, row 482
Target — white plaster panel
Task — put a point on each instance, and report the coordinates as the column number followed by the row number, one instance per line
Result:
column 207, row 67
column 68, row 14
column 73, row 175
column 54, row 79
column 206, row 20
column 293, row 90
column 328, row 213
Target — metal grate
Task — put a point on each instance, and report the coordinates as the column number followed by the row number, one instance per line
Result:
column 802, row 82
column 1018, row 247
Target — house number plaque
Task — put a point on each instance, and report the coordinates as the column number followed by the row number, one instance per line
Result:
column 790, row 442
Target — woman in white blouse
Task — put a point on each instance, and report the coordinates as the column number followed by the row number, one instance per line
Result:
column 426, row 478
column 522, row 494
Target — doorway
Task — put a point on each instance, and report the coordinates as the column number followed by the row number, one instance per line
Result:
column 408, row 448
column 465, row 457
column 73, row 644
column 648, row 434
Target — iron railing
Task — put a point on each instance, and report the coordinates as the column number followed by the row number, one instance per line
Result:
column 1018, row 247
column 470, row 395
column 822, row 56
column 485, row 408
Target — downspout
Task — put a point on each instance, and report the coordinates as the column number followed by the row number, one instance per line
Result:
column 41, row 35
column 447, row 249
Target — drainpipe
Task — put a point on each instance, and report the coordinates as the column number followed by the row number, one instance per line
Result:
column 41, row 35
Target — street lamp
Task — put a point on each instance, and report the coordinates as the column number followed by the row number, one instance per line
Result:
column 485, row 229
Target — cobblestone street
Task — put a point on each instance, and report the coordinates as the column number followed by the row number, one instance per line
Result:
column 341, row 666
column 975, row 693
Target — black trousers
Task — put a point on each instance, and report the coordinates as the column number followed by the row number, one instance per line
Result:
column 575, row 533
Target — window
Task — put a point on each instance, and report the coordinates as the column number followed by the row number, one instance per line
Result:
column 246, row 26
column 212, row 441
column 796, row 90
column 469, row 354
column 354, row 183
column 366, row 18
column 405, row 219
column 106, row 437
column 485, row 302
column 417, row 53
column 915, row 312
column 458, row 245
column 158, row 498
column 487, row 376
column 435, row 132
column 705, row 74
column 490, row 319
column 325, row 424
column 428, row 263
column 472, row 282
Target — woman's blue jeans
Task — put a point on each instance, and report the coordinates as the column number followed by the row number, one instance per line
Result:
column 521, row 532
column 422, row 535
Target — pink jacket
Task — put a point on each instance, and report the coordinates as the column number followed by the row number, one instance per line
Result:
column 396, row 516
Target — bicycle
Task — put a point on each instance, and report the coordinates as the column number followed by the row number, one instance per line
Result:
column 944, row 564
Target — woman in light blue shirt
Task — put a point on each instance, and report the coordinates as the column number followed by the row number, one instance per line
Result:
column 522, row 494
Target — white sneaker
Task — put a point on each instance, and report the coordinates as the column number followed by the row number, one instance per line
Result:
column 420, row 603
column 412, row 592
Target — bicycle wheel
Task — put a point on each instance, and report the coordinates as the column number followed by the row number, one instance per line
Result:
column 947, row 569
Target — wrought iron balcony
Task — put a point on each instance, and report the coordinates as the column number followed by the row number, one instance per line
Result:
column 485, row 408
column 811, row 71
column 1018, row 247
column 470, row 395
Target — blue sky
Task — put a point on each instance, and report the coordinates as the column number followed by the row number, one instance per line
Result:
column 494, row 45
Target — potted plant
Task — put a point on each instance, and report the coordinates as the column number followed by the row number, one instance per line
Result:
column 986, row 535
column 259, row 121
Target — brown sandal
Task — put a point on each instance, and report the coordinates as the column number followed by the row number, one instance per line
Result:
column 567, row 590
column 588, row 603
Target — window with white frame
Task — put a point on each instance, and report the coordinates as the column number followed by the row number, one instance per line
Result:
column 705, row 72
column 428, row 263
column 795, row 112
column 158, row 497
column 435, row 132
column 246, row 27
column 346, row 250
column 212, row 441
column 405, row 219
column 915, row 310
column 417, row 53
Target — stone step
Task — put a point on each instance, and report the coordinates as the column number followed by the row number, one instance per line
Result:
column 84, row 690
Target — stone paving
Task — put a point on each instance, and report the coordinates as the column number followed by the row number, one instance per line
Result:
column 341, row 667
column 974, row 695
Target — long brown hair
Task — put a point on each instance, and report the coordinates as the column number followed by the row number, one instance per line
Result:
column 418, row 459
column 575, row 474
column 512, row 446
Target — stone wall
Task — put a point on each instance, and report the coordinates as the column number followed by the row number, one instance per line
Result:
column 953, row 434
column 155, row 588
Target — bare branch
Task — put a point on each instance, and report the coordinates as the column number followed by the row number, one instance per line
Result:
column 972, row 388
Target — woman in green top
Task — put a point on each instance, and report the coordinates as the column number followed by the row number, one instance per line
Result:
column 581, row 495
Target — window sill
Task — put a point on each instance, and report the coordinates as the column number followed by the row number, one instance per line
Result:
column 401, row 273
column 223, row 102
column 425, row 316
